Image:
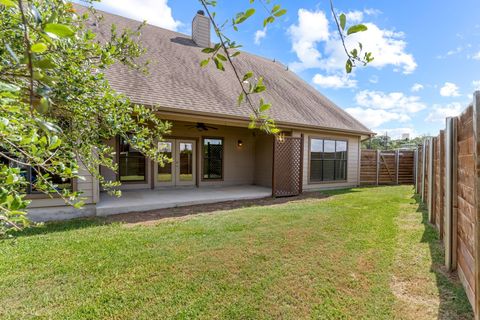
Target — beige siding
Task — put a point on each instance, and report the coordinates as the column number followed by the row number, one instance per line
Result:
column 238, row 163
column 85, row 184
column 263, row 160
column 352, row 163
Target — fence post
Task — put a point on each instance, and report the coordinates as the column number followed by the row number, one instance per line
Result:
column 424, row 162
column 378, row 165
column 476, row 157
column 450, row 221
column 397, row 165
column 430, row 181
column 415, row 169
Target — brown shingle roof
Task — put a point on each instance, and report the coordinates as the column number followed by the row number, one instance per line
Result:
column 177, row 82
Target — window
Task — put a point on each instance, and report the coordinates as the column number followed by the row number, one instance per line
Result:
column 212, row 158
column 328, row 160
column 132, row 163
column 30, row 176
column 165, row 172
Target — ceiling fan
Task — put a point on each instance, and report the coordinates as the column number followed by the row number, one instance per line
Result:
column 200, row 126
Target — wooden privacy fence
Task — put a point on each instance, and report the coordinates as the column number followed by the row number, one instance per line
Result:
column 387, row 167
column 448, row 172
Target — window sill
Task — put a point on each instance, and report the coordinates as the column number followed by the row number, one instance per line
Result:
column 327, row 182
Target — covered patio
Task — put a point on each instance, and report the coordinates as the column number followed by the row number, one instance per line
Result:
column 145, row 200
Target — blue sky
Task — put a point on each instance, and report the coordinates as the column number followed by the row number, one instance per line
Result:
column 427, row 53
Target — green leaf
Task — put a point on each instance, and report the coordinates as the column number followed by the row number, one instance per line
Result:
column 8, row 3
column 44, row 64
column 79, row 204
column 356, row 28
column 203, row 63
column 249, row 13
column 8, row 87
column 280, row 13
column 218, row 64
column 55, row 142
column 343, row 21
column 208, row 50
column 39, row 47
column 59, row 30
column 268, row 20
column 221, row 57
column 247, row 75
column 349, row 66
column 240, row 98
column 264, row 107
column 44, row 105
column 276, row 8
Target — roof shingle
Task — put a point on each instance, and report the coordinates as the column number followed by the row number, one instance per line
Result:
column 176, row 81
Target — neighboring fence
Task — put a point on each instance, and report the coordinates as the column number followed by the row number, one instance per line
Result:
column 448, row 168
column 387, row 167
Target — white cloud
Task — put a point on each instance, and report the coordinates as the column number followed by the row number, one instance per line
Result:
column 156, row 12
column 373, row 79
column 354, row 16
column 439, row 113
column 476, row 84
column 259, row 35
column 334, row 81
column 476, row 56
column 372, row 118
column 396, row 133
column 312, row 28
column 417, row 87
column 375, row 108
column 388, row 47
column 395, row 101
column 449, row 89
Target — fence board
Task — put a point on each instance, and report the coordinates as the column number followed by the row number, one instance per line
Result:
column 387, row 168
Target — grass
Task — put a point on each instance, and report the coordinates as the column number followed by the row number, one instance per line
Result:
column 359, row 254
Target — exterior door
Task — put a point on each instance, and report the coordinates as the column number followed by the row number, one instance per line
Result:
column 185, row 163
column 181, row 171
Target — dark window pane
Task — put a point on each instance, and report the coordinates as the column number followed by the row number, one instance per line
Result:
column 341, row 170
column 316, row 170
column 132, row 168
column 328, row 170
column 132, row 163
column 165, row 172
column 329, row 149
column 186, row 161
column 212, row 158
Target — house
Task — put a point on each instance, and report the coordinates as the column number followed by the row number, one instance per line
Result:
column 210, row 144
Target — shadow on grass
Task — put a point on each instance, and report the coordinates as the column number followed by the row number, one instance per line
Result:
column 59, row 226
column 454, row 303
column 155, row 215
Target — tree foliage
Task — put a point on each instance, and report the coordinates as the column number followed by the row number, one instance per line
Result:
column 57, row 108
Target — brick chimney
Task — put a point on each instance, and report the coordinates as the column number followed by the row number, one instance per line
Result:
column 201, row 29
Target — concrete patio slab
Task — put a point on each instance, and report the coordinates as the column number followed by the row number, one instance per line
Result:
column 145, row 200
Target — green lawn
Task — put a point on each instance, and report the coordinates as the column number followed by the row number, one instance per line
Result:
column 359, row 254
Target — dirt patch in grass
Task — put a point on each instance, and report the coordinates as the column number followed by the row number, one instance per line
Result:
column 152, row 217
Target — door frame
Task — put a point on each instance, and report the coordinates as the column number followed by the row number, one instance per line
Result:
column 154, row 177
